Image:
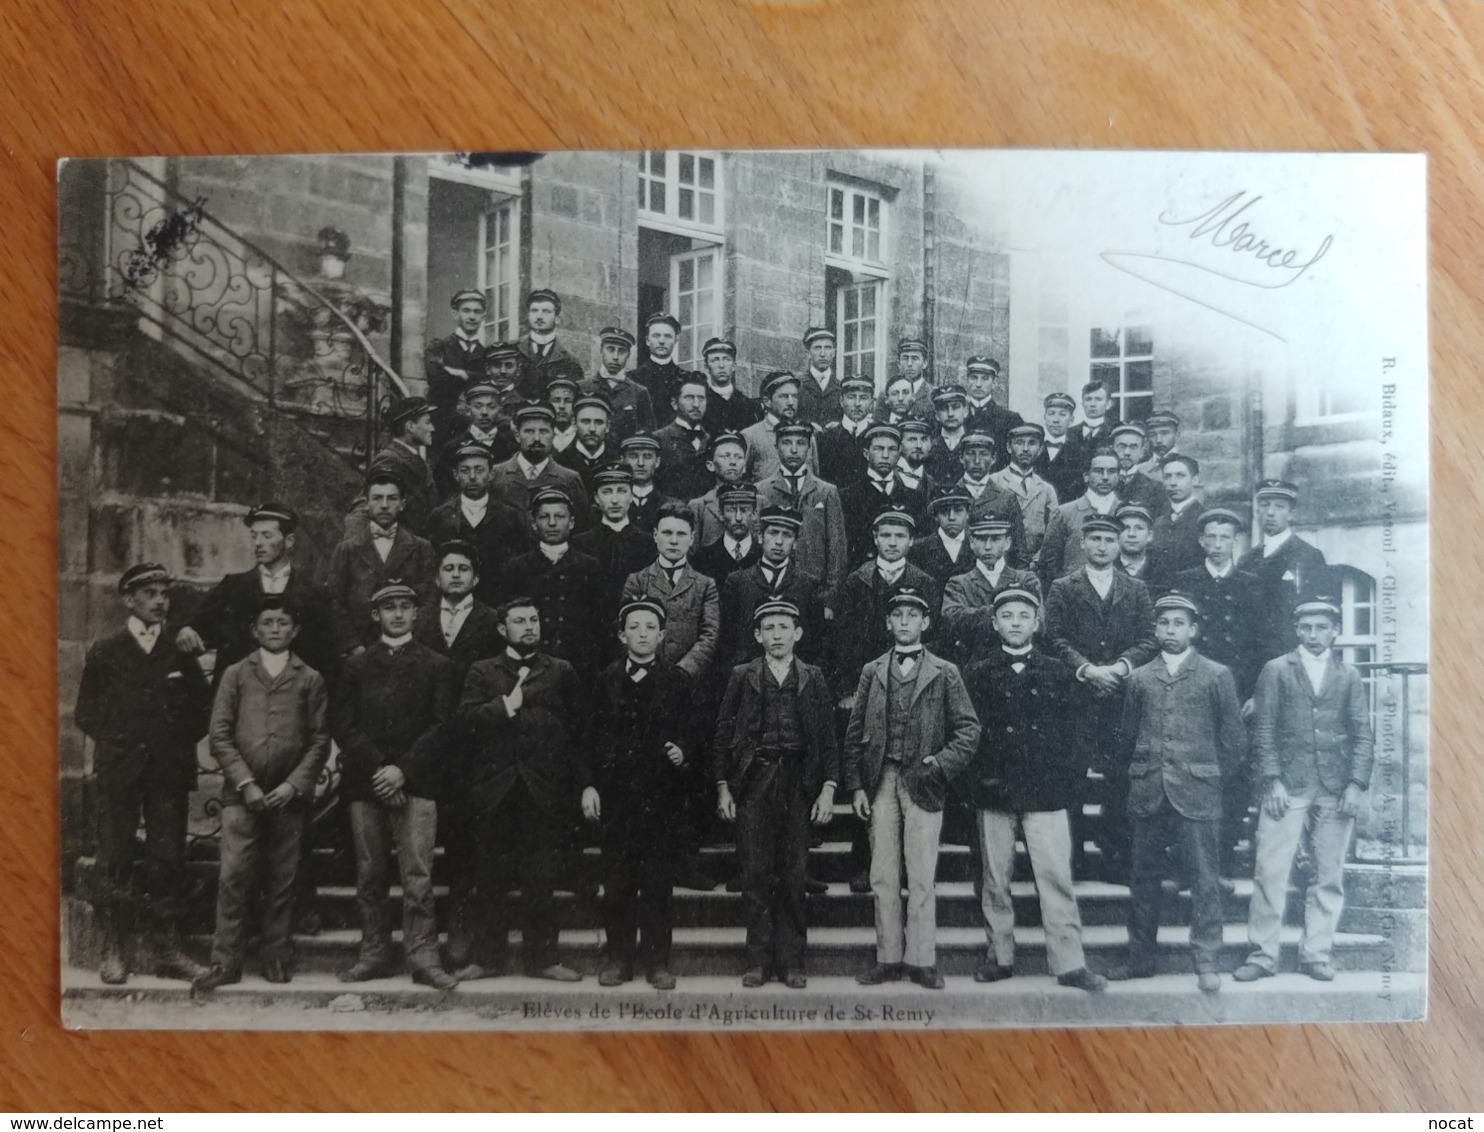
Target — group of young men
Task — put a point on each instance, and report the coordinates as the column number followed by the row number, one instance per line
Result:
column 547, row 612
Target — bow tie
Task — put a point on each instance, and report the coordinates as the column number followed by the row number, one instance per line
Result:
column 906, row 658
column 384, row 536
column 638, row 671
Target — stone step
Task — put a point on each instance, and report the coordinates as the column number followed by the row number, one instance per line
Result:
column 845, row 950
column 315, row 1000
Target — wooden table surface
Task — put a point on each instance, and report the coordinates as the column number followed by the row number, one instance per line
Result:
column 85, row 78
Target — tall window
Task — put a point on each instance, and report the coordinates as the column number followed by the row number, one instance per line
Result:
column 857, row 218
column 857, row 320
column 1123, row 360
column 680, row 190
column 695, row 299
column 1359, row 637
column 856, row 278
column 499, row 271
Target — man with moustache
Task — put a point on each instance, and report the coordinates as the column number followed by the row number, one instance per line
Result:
column 658, row 374
column 451, row 365
column 628, row 402
column 841, row 444
column 532, row 469
column 780, row 394
column 728, row 409
column 545, row 357
column 590, row 450
column 819, row 388
column 683, row 442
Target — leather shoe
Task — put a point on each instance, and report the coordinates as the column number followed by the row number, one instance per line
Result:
column 615, row 975
column 860, row 884
column 1324, row 972
column 992, row 972
column 275, row 971
column 1208, row 981
column 435, row 977
column 928, row 978
column 878, row 973
column 557, row 973
column 1250, row 973
column 815, row 887
column 1123, row 972
column 1083, row 979
column 660, row 978
column 754, row 977
column 795, row 980
column 692, row 875
column 363, row 970
column 216, row 976
column 472, row 971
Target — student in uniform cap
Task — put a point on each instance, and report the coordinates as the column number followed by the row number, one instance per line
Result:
column 1176, row 532
column 775, row 763
column 1136, row 557
column 145, row 706
column 641, row 455
column 1100, row 623
column 517, row 480
column 951, row 410
column 881, row 486
column 726, row 460
column 946, row 551
column 912, row 730
column 1026, row 775
column 728, row 409
column 968, row 597
column 391, row 721
column 1133, row 486
column 452, row 364
column 912, row 363
column 493, row 526
column 642, row 739
column 986, row 415
column 1061, row 549
column 590, row 450
column 842, row 460
column 629, row 402
column 364, row 560
column 490, row 425
column 657, row 375
column 821, row 548
column 565, row 583
column 1059, row 463
column 738, row 548
column 1181, row 730
column 683, row 442
column 819, row 388
column 459, row 625
column 504, row 364
column 561, row 395
column 1162, row 430
column 917, row 447
column 988, row 497
column 1037, row 498
column 1289, row 569
column 1231, row 600
column 223, row 620
column 772, row 576
column 545, row 357
column 270, row 735
column 780, row 397
column 410, row 426
column 619, row 544
column 1312, row 751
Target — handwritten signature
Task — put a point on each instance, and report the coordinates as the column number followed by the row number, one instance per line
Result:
column 1225, row 227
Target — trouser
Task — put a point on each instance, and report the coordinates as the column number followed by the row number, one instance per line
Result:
column 1199, row 845
column 248, row 840
column 773, row 846
column 121, row 796
column 412, row 829
column 514, row 842
column 1098, row 728
column 1048, row 839
column 1317, row 811
column 638, row 883
column 903, row 830
column 1236, row 806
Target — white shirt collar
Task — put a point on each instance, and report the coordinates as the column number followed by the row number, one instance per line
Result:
column 648, row 488
column 458, row 332
column 146, row 635
column 1178, row 508
column 1271, row 544
column 474, row 509
column 891, row 571
column 1101, row 580
column 463, row 605
column 1174, row 661
column 779, row 669
column 1024, row 650
column 395, row 642
column 952, row 545
column 1314, row 666
column 622, row 525
column 737, row 548
column 275, row 581
column 1224, row 572
column 483, row 437
column 273, row 662
column 553, row 553
column 529, row 468
column 993, row 575
column 1101, row 504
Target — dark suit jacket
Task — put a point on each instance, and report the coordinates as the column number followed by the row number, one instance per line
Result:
column 501, row 448
column 1063, row 473
column 996, row 420
column 1061, row 549
column 504, row 533
column 682, row 473
column 944, row 464
column 1139, row 488
column 356, row 572
column 393, row 711
column 1232, row 615
column 624, row 751
column 479, row 638
column 1297, row 572
column 1299, row 736
column 740, row 723
column 587, row 466
column 619, row 554
column 1028, row 760
column 1176, row 540
column 445, row 388
column 816, row 406
column 1002, row 504
column 509, row 485
column 729, row 414
column 540, row 372
column 1083, row 628
column 420, row 492
column 930, row 555
column 657, row 381
column 744, row 590
column 692, row 615
column 966, row 625
column 644, row 512
column 709, row 524
column 632, row 410
column 1155, row 574
column 143, row 709
column 941, row 723
column 1180, row 734
column 718, row 565
column 861, row 501
column 538, row 745
column 225, row 617
column 859, row 629
column 842, row 457
column 568, row 595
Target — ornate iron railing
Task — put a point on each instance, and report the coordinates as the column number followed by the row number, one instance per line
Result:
column 194, row 282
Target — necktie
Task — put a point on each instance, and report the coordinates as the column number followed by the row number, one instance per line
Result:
column 736, row 552
column 673, row 573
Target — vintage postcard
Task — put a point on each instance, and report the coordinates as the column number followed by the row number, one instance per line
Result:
column 743, row 590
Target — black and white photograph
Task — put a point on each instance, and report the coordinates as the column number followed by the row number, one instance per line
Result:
column 742, row 590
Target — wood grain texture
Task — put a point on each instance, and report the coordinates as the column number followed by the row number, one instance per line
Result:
column 86, row 78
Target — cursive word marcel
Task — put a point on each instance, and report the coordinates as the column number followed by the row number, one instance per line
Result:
column 1227, row 229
